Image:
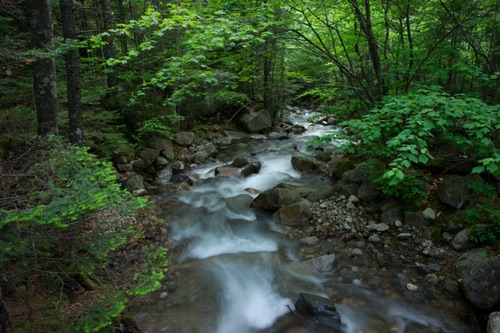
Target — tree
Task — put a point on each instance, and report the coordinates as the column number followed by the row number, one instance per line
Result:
column 73, row 81
column 44, row 67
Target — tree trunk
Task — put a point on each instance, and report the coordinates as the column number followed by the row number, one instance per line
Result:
column 109, row 49
column 44, row 82
column 73, row 81
column 366, row 26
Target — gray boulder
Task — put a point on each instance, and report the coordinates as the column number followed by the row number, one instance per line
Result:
column 455, row 191
column 185, row 138
column 493, row 323
column 134, row 182
column 363, row 172
column 255, row 122
column 415, row 219
column 303, row 164
column 321, row 264
column 368, row 191
column 294, row 214
column 275, row 198
column 391, row 215
column 149, row 155
column 461, row 241
column 480, row 278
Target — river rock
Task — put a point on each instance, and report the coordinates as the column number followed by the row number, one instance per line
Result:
column 363, row 172
column 255, row 121
column 247, row 165
column 480, row 278
column 455, row 191
column 294, row 214
column 149, row 155
column 368, row 191
column 228, row 171
column 493, row 323
column 321, row 264
column 415, row 219
column 380, row 227
column 336, row 167
column 134, row 182
column 391, row 215
column 461, row 241
column 160, row 144
column 185, row 138
column 347, row 189
column 274, row 199
column 429, row 214
column 303, row 164
column 322, row 309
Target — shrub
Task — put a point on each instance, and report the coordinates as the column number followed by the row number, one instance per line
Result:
column 484, row 216
column 64, row 237
column 405, row 128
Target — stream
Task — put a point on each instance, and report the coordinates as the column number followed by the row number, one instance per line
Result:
column 233, row 269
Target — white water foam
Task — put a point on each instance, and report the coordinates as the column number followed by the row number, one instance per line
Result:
column 249, row 300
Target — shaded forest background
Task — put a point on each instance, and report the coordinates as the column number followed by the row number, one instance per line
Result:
column 96, row 78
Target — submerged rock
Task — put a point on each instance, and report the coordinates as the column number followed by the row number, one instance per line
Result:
column 321, row 309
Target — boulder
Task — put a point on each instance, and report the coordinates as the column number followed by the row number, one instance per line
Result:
column 321, row 309
column 391, row 215
column 415, row 219
column 149, row 155
column 364, row 172
column 255, row 121
column 134, row 182
column 247, row 165
column 303, row 164
column 493, row 323
column 274, row 199
column 461, row 241
column 429, row 214
column 368, row 191
column 160, row 144
column 185, row 138
column 347, row 189
column 294, row 214
column 321, row 264
column 336, row 167
column 227, row 171
column 480, row 278
column 455, row 192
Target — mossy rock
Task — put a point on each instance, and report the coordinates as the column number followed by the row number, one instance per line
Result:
column 453, row 222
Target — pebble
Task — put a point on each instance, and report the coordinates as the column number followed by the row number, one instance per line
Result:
column 398, row 224
column 432, row 279
column 404, row 236
column 381, row 227
column 411, row 287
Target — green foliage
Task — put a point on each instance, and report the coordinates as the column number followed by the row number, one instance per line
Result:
column 409, row 191
column 404, row 129
column 484, row 216
column 72, row 226
column 159, row 126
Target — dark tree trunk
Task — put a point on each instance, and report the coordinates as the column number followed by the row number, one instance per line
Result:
column 366, row 26
column 4, row 315
column 40, row 23
column 73, row 81
column 109, row 49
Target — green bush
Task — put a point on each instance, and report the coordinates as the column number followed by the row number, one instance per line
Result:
column 406, row 128
column 66, row 234
column 484, row 216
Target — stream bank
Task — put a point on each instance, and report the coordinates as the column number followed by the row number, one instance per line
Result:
column 389, row 272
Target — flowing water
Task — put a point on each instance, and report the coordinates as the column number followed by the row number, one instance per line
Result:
column 232, row 267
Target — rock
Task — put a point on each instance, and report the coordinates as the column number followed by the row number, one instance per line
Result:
column 178, row 167
column 480, row 278
column 391, row 215
column 455, row 191
column 185, row 138
column 415, row 219
column 429, row 214
column 336, row 167
column 353, row 199
column 139, row 193
column 294, row 214
column 411, row 287
column 161, row 161
column 303, row 164
column 380, row 227
column 274, row 199
column 347, row 189
column 161, row 144
column 363, row 172
column 134, row 182
column 404, row 236
column 247, row 165
column 493, row 323
column 310, row 241
column 321, row 309
column 368, row 191
column 149, row 155
column 227, row 171
column 255, row 121
column 208, row 149
column 461, row 241
column 164, row 175
column 374, row 239
column 321, row 264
